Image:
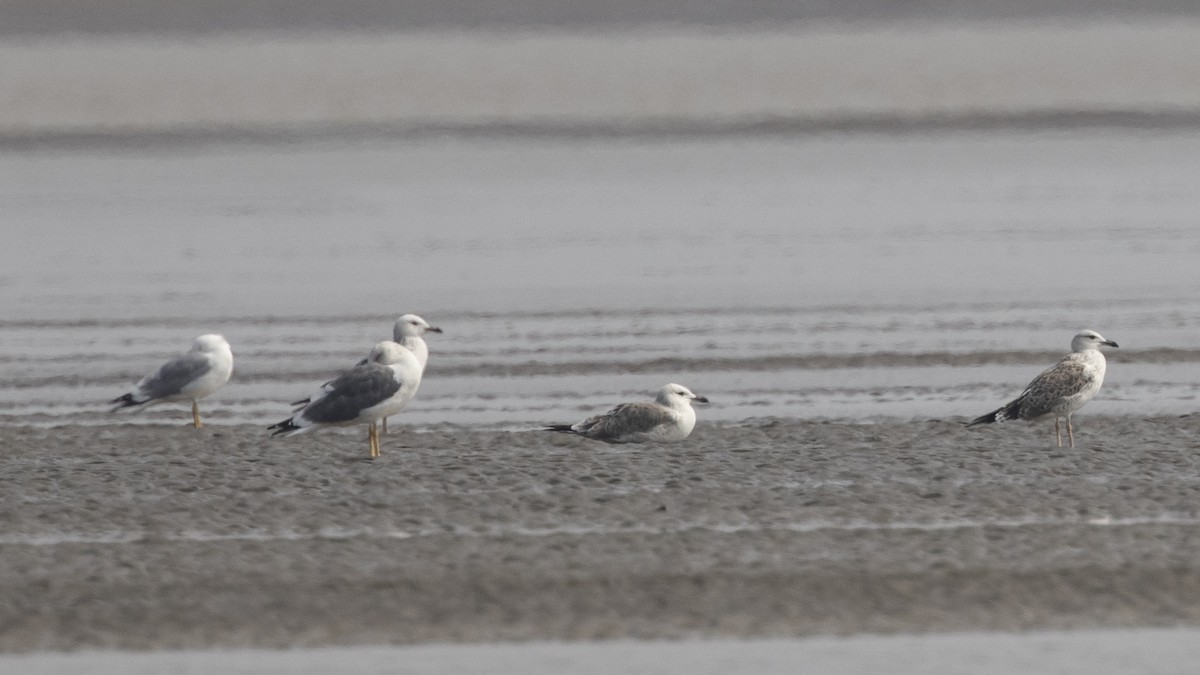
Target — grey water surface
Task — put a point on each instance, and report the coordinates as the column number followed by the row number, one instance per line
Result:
column 850, row 276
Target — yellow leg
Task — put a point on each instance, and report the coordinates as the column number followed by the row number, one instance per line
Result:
column 196, row 415
column 1070, row 431
column 1057, row 432
column 371, row 440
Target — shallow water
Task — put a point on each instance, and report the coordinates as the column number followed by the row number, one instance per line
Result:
column 863, row 276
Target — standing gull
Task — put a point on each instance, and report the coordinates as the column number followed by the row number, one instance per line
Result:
column 365, row 394
column 407, row 333
column 1060, row 390
column 190, row 376
column 670, row 418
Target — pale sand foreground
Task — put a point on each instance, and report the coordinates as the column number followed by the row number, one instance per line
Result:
column 1059, row 653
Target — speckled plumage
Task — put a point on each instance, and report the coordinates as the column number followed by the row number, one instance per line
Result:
column 1061, row 389
column 669, row 418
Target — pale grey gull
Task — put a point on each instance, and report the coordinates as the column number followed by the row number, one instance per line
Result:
column 190, row 376
column 408, row 332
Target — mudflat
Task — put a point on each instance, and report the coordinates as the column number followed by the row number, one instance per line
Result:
column 155, row 536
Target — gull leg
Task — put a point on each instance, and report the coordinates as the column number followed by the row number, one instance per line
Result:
column 371, row 439
column 196, row 415
column 1070, row 431
column 383, row 426
column 1057, row 432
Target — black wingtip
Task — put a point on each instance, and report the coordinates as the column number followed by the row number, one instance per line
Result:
column 1008, row 411
column 123, row 402
column 282, row 427
column 561, row 428
column 982, row 419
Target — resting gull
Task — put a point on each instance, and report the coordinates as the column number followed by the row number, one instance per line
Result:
column 366, row 393
column 189, row 376
column 670, row 418
column 1060, row 390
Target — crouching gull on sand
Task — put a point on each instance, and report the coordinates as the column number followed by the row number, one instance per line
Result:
column 189, row 376
column 670, row 418
column 362, row 395
column 1060, row 390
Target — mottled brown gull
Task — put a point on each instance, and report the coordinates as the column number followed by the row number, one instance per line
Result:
column 668, row 419
column 1061, row 389
column 188, row 377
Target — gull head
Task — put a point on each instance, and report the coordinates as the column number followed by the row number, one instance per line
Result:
column 411, row 325
column 1090, row 339
column 678, row 395
column 210, row 342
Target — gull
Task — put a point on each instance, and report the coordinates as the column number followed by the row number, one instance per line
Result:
column 190, row 376
column 1061, row 389
column 407, row 332
column 365, row 394
column 668, row 419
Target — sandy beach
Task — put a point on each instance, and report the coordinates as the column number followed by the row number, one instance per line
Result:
column 155, row 537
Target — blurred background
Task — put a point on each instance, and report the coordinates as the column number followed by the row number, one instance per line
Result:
column 171, row 66
column 797, row 208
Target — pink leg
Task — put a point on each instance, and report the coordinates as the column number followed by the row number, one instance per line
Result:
column 1057, row 432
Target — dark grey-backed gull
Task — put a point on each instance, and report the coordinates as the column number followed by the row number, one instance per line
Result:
column 365, row 394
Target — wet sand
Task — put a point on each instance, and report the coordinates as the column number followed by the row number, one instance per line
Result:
column 162, row 537
column 180, row 17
